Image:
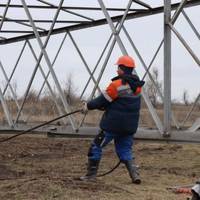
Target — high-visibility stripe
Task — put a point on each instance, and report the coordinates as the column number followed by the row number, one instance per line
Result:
column 123, row 87
column 107, row 97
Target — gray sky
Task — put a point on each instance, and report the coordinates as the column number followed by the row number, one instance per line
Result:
column 146, row 33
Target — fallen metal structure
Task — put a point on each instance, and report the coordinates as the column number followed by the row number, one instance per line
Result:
column 33, row 31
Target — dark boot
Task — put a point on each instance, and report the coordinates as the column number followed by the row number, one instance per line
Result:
column 133, row 171
column 195, row 196
column 91, row 170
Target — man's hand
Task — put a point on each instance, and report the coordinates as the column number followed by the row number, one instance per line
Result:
column 84, row 107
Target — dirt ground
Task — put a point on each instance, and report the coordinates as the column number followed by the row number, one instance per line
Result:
column 37, row 167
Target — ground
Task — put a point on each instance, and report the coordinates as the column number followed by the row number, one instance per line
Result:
column 37, row 167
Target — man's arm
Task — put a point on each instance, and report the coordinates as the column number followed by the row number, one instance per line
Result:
column 105, row 99
column 98, row 103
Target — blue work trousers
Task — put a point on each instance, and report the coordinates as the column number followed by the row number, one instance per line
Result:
column 123, row 146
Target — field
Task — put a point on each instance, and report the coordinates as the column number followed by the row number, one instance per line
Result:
column 37, row 167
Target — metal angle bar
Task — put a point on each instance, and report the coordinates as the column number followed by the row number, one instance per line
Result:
column 151, row 136
column 6, row 111
column 153, row 112
column 15, row 31
column 198, row 36
column 140, row 58
column 22, row 23
column 4, row 14
column 67, row 7
column 3, row 38
column 156, row 117
column 110, row 23
column 167, row 68
column 178, row 11
column 132, row 15
column 45, row 21
column 173, row 20
column 65, row 10
column 43, row 52
column 32, row 76
column 124, row 52
column 15, row 67
column 47, row 83
column 154, row 57
column 191, row 110
column 11, row 89
column 185, row 44
column 46, row 77
column 96, row 65
column 147, row 68
column 176, row 15
column 54, row 60
column 83, row 60
column 191, row 24
column 142, row 4
column 103, row 67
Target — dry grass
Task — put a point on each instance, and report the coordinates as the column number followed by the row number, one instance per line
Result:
column 45, row 110
column 41, row 168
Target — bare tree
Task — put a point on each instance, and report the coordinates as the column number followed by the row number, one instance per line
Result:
column 185, row 97
column 15, row 88
column 32, row 96
column 70, row 90
column 48, row 105
column 151, row 89
column 11, row 90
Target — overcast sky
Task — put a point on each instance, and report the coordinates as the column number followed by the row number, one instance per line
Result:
column 146, row 33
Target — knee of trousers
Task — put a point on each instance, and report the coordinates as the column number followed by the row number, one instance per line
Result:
column 95, row 150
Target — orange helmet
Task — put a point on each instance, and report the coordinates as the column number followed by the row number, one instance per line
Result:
column 127, row 61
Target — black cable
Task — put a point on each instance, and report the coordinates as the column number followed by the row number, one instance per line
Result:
column 110, row 171
column 48, row 122
column 40, row 125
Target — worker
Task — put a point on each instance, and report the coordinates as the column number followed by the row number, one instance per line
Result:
column 121, row 103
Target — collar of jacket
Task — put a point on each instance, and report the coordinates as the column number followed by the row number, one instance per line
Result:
column 132, row 79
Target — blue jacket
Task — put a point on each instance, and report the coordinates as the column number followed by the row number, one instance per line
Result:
column 121, row 102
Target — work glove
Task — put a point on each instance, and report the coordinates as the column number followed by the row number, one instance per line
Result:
column 84, row 107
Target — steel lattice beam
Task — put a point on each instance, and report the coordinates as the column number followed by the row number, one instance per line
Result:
column 99, row 22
